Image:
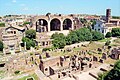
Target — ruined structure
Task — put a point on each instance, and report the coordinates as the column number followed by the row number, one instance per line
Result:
column 11, row 37
column 64, row 65
column 47, row 23
column 115, row 53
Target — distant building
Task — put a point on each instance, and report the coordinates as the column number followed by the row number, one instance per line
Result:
column 106, row 23
column 108, row 15
column 56, row 22
column 11, row 37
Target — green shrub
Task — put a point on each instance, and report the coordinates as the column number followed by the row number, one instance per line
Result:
column 31, row 53
column 17, row 72
column 115, row 32
column 109, row 34
column 46, row 49
column 26, row 23
column 2, row 24
column 107, row 43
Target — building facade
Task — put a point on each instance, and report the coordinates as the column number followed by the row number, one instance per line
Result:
column 105, row 24
column 47, row 23
column 11, row 38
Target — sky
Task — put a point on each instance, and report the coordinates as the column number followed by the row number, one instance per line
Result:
column 37, row 7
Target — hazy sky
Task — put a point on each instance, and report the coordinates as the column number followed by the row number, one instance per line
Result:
column 59, row 6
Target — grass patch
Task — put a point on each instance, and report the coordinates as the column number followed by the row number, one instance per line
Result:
column 117, row 41
column 26, row 77
column 92, row 46
column 104, row 40
column 2, row 74
column 17, row 72
column 77, row 49
column 110, row 61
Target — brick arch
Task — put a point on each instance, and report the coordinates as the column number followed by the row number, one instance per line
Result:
column 55, row 24
column 67, row 24
column 41, row 25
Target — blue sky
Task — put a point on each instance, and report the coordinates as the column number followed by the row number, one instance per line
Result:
column 59, row 6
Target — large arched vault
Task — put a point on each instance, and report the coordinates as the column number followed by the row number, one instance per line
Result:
column 55, row 25
column 67, row 24
column 41, row 25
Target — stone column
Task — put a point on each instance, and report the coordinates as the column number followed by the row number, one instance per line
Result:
column 72, row 27
column 45, row 29
column 25, row 46
column 48, row 25
column 117, row 23
column 61, row 26
column 34, row 26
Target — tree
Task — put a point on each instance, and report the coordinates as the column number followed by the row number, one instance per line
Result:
column 1, row 46
column 116, row 17
column 58, row 40
column 71, row 38
column 31, row 34
column 29, row 42
column 2, row 24
column 48, row 14
column 84, row 21
column 107, row 43
column 59, row 43
column 109, row 34
column 26, row 23
column 84, row 34
column 115, row 32
column 90, row 28
column 114, row 74
column 58, row 35
column 101, row 75
column 97, row 35
column 93, row 22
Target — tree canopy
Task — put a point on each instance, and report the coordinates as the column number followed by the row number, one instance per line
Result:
column 109, row 34
column 97, row 36
column 115, row 32
column 114, row 74
column 29, row 42
column 2, row 24
column 71, row 38
column 59, row 40
column 31, row 34
column 116, row 17
column 82, row 34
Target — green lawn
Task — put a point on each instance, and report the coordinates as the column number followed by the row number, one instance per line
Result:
column 33, row 75
column 104, row 40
